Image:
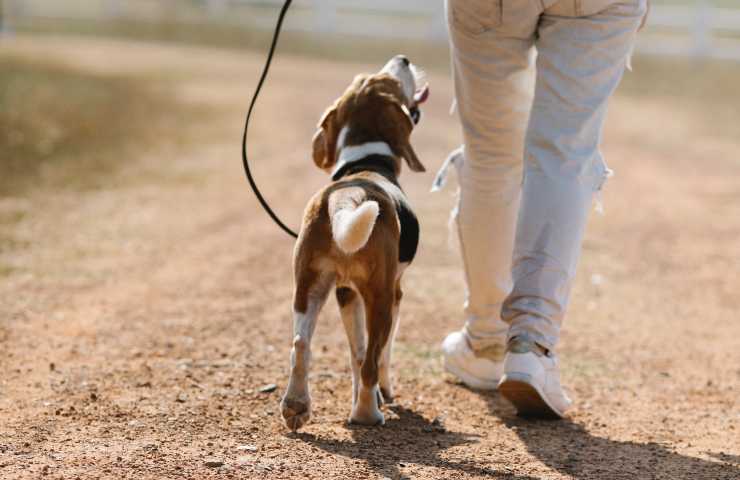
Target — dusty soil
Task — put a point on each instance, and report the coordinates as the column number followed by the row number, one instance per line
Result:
column 140, row 322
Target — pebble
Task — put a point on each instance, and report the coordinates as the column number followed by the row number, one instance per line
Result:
column 268, row 388
column 214, row 463
column 247, row 448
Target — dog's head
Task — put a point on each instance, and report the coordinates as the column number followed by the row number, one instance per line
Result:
column 382, row 107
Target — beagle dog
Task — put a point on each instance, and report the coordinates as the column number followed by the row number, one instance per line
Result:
column 358, row 235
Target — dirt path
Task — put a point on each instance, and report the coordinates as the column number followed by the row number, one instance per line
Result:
column 143, row 320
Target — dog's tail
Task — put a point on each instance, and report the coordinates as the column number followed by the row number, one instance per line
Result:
column 353, row 218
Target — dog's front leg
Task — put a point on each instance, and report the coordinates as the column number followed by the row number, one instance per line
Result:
column 296, row 403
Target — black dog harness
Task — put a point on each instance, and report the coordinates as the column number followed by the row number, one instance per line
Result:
column 409, row 224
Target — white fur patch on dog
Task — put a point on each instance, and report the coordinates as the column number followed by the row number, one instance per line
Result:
column 351, row 228
column 342, row 138
column 353, row 153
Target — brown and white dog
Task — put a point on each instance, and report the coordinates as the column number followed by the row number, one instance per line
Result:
column 358, row 235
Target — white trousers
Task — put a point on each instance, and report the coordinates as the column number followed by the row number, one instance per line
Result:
column 532, row 82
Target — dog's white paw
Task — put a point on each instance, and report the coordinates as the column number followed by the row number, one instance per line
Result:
column 296, row 412
column 366, row 411
column 368, row 417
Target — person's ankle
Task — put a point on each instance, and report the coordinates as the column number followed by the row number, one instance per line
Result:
column 523, row 343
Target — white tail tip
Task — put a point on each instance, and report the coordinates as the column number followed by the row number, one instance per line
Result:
column 352, row 228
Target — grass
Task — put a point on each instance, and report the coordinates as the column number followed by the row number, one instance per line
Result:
column 64, row 129
column 233, row 36
column 703, row 86
column 691, row 3
column 705, row 89
column 674, row 78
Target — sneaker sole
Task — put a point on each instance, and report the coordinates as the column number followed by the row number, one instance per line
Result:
column 468, row 379
column 527, row 399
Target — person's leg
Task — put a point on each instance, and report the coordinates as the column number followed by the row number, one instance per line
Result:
column 492, row 59
column 580, row 63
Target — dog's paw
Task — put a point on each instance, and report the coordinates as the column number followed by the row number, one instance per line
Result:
column 370, row 416
column 385, row 396
column 296, row 412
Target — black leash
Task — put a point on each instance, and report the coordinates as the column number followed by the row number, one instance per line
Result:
column 245, row 160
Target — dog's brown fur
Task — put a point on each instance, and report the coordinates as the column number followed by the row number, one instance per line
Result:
column 378, row 111
column 375, row 104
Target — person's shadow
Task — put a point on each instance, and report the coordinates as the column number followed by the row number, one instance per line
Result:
column 570, row 449
column 406, row 438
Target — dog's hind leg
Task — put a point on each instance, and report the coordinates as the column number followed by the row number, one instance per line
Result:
column 379, row 321
column 312, row 288
column 385, row 377
column 353, row 318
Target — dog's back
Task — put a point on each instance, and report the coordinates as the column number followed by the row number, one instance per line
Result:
column 363, row 231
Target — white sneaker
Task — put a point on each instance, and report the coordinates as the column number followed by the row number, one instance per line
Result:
column 481, row 370
column 531, row 381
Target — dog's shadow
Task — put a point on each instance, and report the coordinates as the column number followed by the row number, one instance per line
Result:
column 570, row 449
column 406, row 438
column 564, row 446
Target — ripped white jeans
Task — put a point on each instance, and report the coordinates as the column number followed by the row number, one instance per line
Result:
column 532, row 85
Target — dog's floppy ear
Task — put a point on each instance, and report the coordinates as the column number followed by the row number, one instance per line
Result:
column 402, row 145
column 325, row 140
column 410, row 155
column 407, row 151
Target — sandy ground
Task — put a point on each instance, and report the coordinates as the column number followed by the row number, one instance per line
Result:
column 143, row 321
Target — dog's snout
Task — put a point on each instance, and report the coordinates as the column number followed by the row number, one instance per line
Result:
column 404, row 59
